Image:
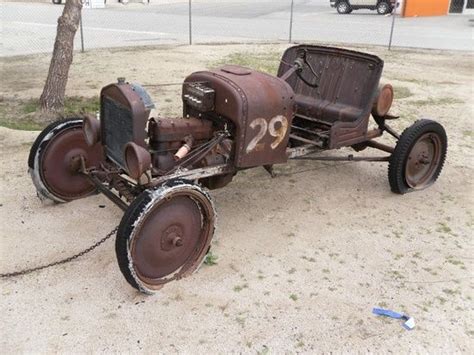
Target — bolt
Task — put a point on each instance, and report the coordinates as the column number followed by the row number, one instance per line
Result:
column 177, row 242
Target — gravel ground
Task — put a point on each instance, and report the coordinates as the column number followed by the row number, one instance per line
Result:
column 302, row 258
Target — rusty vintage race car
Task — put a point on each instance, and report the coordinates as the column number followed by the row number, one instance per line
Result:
column 158, row 169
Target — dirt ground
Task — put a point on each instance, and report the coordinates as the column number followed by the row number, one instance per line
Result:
column 302, row 258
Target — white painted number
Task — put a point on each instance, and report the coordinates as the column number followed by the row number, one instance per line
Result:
column 279, row 133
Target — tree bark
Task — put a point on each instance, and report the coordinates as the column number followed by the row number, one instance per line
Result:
column 52, row 98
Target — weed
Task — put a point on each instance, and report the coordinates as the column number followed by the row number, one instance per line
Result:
column 294, row 297
column 239, row 288
column 240, row 321
column 443, row 228
column 211, row 259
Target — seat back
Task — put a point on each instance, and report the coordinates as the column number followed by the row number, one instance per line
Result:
column 347, row 82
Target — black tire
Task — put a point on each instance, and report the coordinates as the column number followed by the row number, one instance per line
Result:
column 397, row 174
column 44, row 132
column 39, row 160
column 137, row 213
column 57, row 2
column 343, row 7
column 383, row 8
column 35, row 153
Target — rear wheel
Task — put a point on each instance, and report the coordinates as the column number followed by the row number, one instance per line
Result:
column 164, row 235
column 418, row 157
column 383, row 8
column 343, row 7
column 54, row 158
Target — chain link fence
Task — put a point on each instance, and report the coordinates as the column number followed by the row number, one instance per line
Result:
column 30, row 27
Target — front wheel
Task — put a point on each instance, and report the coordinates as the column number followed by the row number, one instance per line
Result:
column 164, row 235
column 53, row 161
column 418, row 157
column 343, row 7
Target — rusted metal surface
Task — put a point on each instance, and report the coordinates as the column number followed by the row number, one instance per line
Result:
column 124, row 115
column 380, row 146
column 383, row 100
column 91, row 130
column 344, row 89
column 258, row 106
column 170, row 236
column 423, row 160
column 168, row 135
column 60, row 163
column 137, row 160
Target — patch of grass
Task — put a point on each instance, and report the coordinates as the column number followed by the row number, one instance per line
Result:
column 450, row 292
column 293, row 297
column 26, row 114
column 267, row 62
column 396, row 275
column 443, row 228
column 30, row 106
column 417, row 81
column 468, row 134
column 211, row 259
column 431, row 101
column 239, row 288
column 450, row 259
column 401, row 92
column 240, row 321
column 398, row 256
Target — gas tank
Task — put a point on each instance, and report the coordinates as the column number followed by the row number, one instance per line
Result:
column 261, row 107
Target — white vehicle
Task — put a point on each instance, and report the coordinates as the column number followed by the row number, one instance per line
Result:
column 346, row 6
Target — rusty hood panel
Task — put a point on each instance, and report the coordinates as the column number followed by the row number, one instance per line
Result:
column 261, row 107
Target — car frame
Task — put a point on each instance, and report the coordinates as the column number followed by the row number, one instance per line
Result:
column 158, row 170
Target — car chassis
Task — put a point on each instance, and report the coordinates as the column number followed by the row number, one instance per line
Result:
column 235, row 118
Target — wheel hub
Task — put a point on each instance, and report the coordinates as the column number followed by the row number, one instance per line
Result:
column 60, row 163
column 167, row 239
column 423, row 160
column 172, row 238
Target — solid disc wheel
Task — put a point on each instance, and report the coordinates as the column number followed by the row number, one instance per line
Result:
column 418, row 157
column 164, row 235
column 54, row 160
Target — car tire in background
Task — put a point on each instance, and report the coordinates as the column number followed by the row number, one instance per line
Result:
column 383, row 8
column 57, row 2
column 343, row 7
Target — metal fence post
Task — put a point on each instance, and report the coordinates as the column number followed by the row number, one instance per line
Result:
column 291, row 21
column 82, row 33
column 394, row 14
column 190, row 25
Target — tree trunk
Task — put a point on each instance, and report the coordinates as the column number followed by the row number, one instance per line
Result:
column 52, row 98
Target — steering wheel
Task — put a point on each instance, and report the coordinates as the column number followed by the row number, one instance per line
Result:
column 301, row 62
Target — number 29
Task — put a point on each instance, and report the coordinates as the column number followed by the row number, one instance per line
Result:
column 279, row 133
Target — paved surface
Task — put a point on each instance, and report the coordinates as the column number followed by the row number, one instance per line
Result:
column 30, row 27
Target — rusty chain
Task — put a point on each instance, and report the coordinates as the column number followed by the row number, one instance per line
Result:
column 60, row 262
